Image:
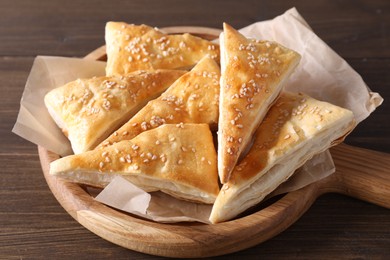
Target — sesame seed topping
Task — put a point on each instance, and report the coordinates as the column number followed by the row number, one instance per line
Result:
column 287, row 136
column 172, row 139
column 134, row 147
column 104, row 154
column 101, row 164
column 128, row 158
column 125, row 133
column 146, row 160
column 180, row 125
column 180, row 162
column 144, row 126
column 158, row 142
column 184, row 149
column 240, row 126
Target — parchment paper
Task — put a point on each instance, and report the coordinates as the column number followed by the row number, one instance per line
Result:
column 321, row 74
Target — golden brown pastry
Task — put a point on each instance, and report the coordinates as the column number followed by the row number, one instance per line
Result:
column 295, row 129
column 133, row 47
column 176, row 159
column 252, row 76
column 193, row 98
column 89, row 110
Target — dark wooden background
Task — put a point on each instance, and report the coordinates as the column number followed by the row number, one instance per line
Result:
column 32, row 223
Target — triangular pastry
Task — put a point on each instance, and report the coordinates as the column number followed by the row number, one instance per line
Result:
column 133, row 47
column 176, row 159
column 193, row 98
column 295, row 129
column 252, row 76
column 89, row 110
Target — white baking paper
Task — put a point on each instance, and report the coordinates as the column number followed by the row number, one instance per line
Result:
column 321, row 74
column 160, row 207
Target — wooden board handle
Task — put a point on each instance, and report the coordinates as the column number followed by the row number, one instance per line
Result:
column 361, row 173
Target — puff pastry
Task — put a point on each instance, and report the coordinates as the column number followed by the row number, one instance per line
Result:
column 252, row 76
column 133, row 47
column 193, row 98
column 295, row 129
column 176, row 159
column 89, row 110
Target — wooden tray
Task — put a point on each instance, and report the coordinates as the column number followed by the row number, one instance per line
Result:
column 360, row 173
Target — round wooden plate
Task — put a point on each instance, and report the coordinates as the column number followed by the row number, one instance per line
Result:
column 360, row 173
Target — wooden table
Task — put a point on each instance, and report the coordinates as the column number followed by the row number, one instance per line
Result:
column 32, row 223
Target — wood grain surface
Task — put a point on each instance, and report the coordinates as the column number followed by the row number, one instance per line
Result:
column 186, row 240
column 34, row 226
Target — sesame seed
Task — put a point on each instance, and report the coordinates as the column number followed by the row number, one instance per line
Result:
column 203, row 159
column 184, row 149
column 154, row 157
column 125, row 133
column 105, row 153
column 136, row 167
column 144, row 126
column 180, row 162
column 240, row 126
column 122, row 159
column 146, row 161
column 107, row 159
column 115, row 133
column 134, row 147
column 287, row 136
column 240, row 140
column 158, row 142
column 101, row 164
column 128, row 158
column 172, row 139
